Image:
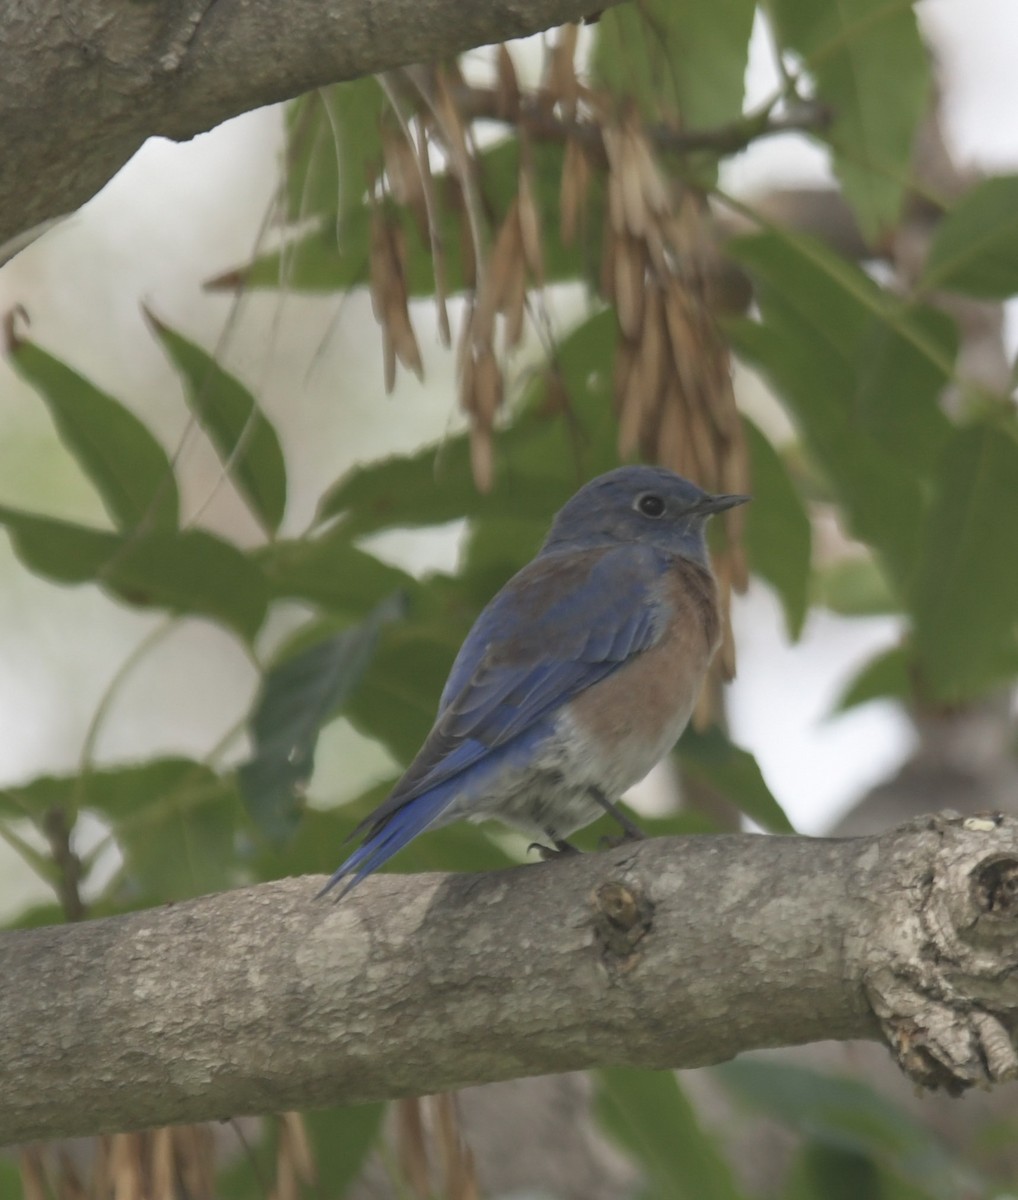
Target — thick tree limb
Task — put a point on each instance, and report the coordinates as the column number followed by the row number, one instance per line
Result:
column 671, row 952
column 84, row 82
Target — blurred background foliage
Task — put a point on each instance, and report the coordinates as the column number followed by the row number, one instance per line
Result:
column 482, row 196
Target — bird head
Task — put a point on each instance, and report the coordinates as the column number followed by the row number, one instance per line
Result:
column 639, row 504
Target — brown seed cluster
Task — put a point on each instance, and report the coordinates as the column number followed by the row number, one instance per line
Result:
column 175, row 1162
column 672, row 379
column 672, row 382
column 433, row 1158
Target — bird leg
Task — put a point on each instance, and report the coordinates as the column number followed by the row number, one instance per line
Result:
column 631, row 831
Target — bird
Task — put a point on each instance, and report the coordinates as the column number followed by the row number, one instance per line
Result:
column 576, row 678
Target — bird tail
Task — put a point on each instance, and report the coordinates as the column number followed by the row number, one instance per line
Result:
column 388, row 838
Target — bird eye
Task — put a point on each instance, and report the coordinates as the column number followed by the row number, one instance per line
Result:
column 650, row 504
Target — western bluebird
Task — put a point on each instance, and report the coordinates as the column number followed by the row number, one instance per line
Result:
column 575, row 679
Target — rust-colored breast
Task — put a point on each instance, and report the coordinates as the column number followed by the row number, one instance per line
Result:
column 637, row 713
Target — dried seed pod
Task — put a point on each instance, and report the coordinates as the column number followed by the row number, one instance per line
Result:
column 653, row 339
column 673, row 447
column 507, row 86
column 162, row 1165
column 573, row 190
column 503, row 262
column 681, row 337
column 530, row 226
column 300, row 1146
column 631, row 411
column 412, row 1147
column 655, row 191
column 514, row 306
column 637, row 218
column 560, row 85
column 401, row 168
column 380, row 265
column 487, row 386
column 630, row 284
column 482, row 458
column 616, row 202
column 404, row 340
column 452, row 126
column 703, row 449
column 33, row 1178
column 388, row 360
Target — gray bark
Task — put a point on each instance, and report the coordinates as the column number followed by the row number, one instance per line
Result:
column 666, row 953
column 83, row 83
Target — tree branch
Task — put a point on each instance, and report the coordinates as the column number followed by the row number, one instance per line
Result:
column 666, row 953
column 83, row 83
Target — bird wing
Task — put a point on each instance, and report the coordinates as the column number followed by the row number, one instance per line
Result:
column 562, row 624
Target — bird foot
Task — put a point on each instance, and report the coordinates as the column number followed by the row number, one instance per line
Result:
column 558, row 849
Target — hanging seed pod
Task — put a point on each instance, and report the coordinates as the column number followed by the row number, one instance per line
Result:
column 514, row 306
column 507, row 86
column 487, row 386
column 503, row 261
column 653, row 340
column 635, row 213
column 631, row 411
column 162, row 1164
column 380, row 266
column 573, row 190
column 560, row 85
column 673, row 447
column 412, row 1148
column 630, row 284
column 482, row 458
column 530, row 226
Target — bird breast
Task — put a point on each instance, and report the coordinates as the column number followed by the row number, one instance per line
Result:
column 633, row 717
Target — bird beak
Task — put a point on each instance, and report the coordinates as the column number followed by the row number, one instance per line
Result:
column 716, row 504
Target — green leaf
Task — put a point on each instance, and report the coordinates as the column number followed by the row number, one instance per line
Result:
column 129, row 468
column 647, row 1113
column 244, row 439
column 975, row 248
column 677, row 58
column 872, row 69
column 900, row 378
column 333, row 147
column 342, row 1139
column 847, row 1115
column 965, row 600
column 888, row 676
column 329, row 571
column 854, row 587
column 828, row 1172
column 174, row 819
column 191, row 572
column 735, row 773
column 176, row 822
column 778, row 534
column 11, row 1185
column 821, row 318
column 298, row 697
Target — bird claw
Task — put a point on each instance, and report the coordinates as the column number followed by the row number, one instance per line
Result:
column 559, row 849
